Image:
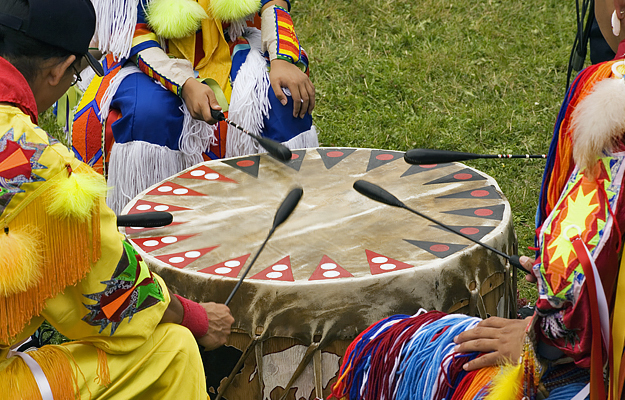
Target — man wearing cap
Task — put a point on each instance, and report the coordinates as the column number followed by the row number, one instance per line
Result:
column 61, row 257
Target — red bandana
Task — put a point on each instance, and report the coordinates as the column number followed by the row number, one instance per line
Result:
column 15, row 90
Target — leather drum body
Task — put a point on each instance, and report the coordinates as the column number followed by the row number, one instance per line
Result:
column 341, row 261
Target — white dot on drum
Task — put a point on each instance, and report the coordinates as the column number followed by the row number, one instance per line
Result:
column 331, row 274
column 165, row 189
column 274, row 275
column 176, row 260
column 150, row 243
column 197, row 172
column 388, row 267
column 211, row 176
column 161, row 208
column 328, row 266
column 379, row 260
column 181, row 191
column 192, row 254
column 223, row 270
column 280, row 267
column 144, row 207
column 232, row 263
column 169, row 239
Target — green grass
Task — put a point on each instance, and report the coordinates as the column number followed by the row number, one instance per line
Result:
column 484, row 76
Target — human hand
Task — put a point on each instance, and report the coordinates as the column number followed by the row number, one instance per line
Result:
column 219, row 322
column 501, row 339
column 284, row 74
column 199, row 99
column 527, row 263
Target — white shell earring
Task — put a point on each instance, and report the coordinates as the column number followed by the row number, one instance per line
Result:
column 616, row 24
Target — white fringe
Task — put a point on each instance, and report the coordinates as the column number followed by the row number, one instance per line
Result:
column 105, row 103
column 116, row 21
column 135, row 166
column 249, row 102
column 237, row 28
column 197, row 135
column 598, row 122
column 86, row 76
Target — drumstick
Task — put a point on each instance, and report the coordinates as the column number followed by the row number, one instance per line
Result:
column 284, row 211
column 145, row 220
column 278, row 150
column 433, row 156
column 374, row 192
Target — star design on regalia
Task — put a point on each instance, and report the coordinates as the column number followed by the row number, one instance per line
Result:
column 18, row 159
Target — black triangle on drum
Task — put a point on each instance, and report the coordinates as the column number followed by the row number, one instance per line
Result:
column 488, row 192
column 440, row 250
column 464, row 175
column 297, row 156
column 249, row 165
column 491, row 212
column 415, row 169
column 474, row 232
column 331, row 157
column 381, row 157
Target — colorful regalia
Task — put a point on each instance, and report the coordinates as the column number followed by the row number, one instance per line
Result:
column 577, row 335
column 63, row 260
column 132, row 124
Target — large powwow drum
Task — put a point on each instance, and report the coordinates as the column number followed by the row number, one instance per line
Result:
column 340, row 263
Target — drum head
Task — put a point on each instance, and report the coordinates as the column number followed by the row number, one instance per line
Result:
column 341, row 261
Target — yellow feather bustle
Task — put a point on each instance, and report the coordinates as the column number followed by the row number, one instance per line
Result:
column 507, row 384
column 175, row 19
column 20, row 261
column 228, row 10
column 75, row 194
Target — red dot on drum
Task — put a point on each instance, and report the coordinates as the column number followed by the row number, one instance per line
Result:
column 294, row 156
column 483, row 212
column 463, row 177
column 384, row 157
column 469, row 231
column 335, row 154
column 479, row 193
column 439, row 248
column 245, row 163
column 428, row 166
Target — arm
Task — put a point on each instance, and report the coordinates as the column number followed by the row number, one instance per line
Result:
column 285, row 54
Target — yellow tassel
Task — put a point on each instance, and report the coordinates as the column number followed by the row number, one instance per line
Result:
column 103, row 375
column 20, row 260
column 507, row 384
column 175, row 19
column 228, row 10
column 76, row 193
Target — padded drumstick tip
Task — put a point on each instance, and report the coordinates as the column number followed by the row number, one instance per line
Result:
column 374, row 192
column 278, row 150
column 287, row 206
column 433, row 156
column 145, row 220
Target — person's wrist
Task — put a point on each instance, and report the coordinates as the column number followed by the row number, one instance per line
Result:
column 194, row 318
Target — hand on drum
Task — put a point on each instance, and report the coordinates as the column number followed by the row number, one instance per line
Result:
column 500, row 338
column 283, row 74
column 219, row 322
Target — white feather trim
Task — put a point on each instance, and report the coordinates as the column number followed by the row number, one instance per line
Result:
column 135, row 166
column 598, row 122
column 197, row 135
column 107, row 98
column 116, row 21
column 237, row 28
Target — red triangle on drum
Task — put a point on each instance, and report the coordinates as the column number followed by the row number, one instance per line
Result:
column 131, row 230
column 297, row 157
column 205, row 173
column 382, row 157
column 249, row 165
column 379, row 264
column 464, row 175
column 229, row 268
column 173, row 189
column 331, row 157
column 155, row 243
column 328, row 269
column 490, row 212
column 415, row 169
column 280, row 271
column 142, row 206
column 184, row 258
column 440, row 250
column 487, row 192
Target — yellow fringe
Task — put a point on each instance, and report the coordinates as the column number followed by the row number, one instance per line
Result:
column 507, row 384
column 18, row 381
column 67, row 250
column 103, row 376
column 20, row 260
column 76, row 193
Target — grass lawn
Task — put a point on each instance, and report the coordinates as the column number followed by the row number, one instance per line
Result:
column 484, row 76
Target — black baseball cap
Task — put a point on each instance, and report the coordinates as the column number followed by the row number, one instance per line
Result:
column 66, row 24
